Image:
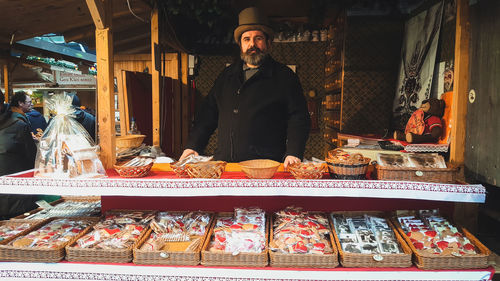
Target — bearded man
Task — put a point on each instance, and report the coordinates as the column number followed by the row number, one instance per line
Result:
column 257, row 104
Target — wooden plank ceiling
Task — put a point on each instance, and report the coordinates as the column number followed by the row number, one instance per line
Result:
column 23, row 19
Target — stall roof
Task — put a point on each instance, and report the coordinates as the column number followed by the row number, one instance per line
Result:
column 25, row 19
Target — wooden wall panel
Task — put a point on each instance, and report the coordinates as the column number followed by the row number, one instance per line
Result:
column 482, row 152
column 137, row 63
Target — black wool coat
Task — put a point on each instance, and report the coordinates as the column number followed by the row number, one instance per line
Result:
column 265, row 117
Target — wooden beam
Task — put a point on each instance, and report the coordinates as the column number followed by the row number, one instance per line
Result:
column 185, row 99
column 105, row 90
column 465, row 214
column 97, row 11
column 155, row 79
column 461, row 84
column 6, row 81
column 105, row 96
column 123, row 102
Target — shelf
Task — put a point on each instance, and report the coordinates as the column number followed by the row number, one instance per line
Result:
column 93, row 271
column 333, row 91
column 166, row 184
column 332, row 128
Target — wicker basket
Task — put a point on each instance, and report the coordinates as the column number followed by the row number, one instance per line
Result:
column 259, row 168
column 179, row 170
column 347, row 171
column 343, row 165
column 441, row 175
column 166, row 257
column 432, row 262
column 208, row 169
column 307, row 171
column 103, row 255
column 11, row 253
column 129, row 141
column 228, row 259
column 33, row 224
column 134, row 170
column 305, row 260
column 374, row 260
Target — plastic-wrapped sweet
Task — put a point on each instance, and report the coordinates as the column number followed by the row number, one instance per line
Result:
column 9, row 230
column 117, row 231
column 243, row 233
column 66, row 150
column 177, row 227
column 69, row 209
column 51, row 235
column 366, row 235
column 432, row 234
column 299, row 232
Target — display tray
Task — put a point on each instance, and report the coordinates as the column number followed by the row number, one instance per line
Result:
column 432, row 262
column 33, row 224
column 229, row 259
column 373, row 260
column 11, row 253
column 306, row 260
column 440, row 175
column 166, row 257
column 26, row 215
column 124, row 255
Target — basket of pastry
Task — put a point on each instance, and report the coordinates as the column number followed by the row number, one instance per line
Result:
column 206, row 169
column 112, row 239
column 180, row 168
column 174, row 238
column 428, row 167
column 344, row 165
column 368, row 239
column 302, row 239
column 308, row 170
column 438, row 244
column 138, row 166
column 74, row 206
column 46, row 242
column 11, row 229
column 237, row 239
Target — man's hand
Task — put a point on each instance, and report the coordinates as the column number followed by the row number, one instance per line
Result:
column 187, row 152
column 290, row 160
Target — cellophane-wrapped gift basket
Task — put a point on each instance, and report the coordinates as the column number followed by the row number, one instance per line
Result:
column 66, row 149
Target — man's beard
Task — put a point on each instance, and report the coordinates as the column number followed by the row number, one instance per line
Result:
column 256, row 58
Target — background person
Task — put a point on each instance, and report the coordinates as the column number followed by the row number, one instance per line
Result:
column 17, row 151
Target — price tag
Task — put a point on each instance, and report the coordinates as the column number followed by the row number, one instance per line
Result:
column 235, row 253
column 164, row 255
column 419, row 173
column 378, row 257
column 43, row 204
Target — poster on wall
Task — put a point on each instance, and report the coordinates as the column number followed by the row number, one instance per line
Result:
column 418, row 57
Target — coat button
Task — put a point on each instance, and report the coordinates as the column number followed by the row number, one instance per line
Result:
column 235, row 111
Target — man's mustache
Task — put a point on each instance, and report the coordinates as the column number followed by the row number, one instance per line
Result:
column 254, row 48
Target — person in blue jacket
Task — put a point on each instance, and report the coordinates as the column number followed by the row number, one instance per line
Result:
column 86, row 119
column 37, row 121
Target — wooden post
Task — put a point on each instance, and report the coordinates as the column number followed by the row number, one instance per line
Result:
column 465, row 213
column 102, row 15
column 460, row 84
column 155, row 77
column 185, row 99
column 6, row 81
